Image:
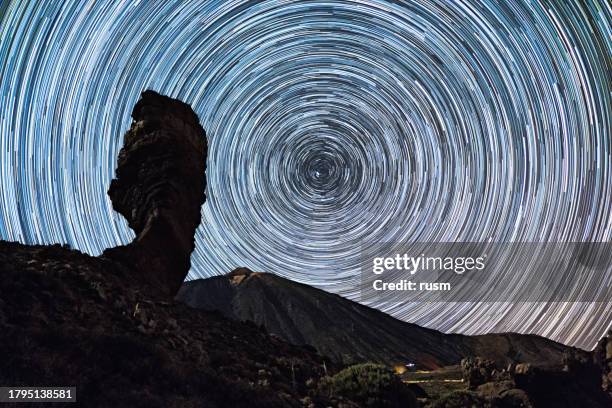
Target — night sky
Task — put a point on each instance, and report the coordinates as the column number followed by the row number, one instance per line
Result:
column 331, row 125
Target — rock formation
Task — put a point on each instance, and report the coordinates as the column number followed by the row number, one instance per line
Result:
column 100, row 324
column 159, row 188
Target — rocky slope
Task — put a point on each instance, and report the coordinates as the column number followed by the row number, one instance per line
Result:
column 349, row 332
column 68, row 319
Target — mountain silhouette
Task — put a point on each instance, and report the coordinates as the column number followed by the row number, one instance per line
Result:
column 349, row 332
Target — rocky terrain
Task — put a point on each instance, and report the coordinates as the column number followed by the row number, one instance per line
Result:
column 305, row 315
column 70, row 319
column 479, row 382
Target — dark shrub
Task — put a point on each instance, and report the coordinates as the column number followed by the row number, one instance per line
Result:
column 369, row 385
column 460, row 399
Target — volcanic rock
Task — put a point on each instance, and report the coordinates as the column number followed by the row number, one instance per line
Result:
column 69, row 319
column 159, row 188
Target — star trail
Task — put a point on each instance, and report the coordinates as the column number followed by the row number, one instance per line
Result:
column 331, row 125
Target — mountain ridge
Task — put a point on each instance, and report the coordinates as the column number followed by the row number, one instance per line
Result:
column 299, row 314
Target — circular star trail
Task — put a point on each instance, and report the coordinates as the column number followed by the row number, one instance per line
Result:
column 331, row 125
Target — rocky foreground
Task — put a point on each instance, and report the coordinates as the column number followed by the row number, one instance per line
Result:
column 71, row 319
